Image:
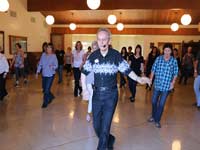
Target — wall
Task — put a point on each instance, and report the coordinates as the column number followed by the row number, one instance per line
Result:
column 118, row 41
column 21, row 25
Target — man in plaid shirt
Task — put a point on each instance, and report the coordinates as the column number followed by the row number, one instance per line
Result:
column 165, row 70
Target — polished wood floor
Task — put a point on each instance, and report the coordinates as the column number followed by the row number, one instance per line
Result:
column 62, row 126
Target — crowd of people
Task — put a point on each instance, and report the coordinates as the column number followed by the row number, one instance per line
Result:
column 95, row 76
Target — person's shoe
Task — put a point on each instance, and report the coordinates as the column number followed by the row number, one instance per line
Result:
column 44, row 105
column 111, row 142
column 16, row 85
column 198, row 107
column 80, row 92
column 88, row 118
column 132, row 99
column 158, row 125
column 2, row 97
column 50, row 101
column 151, row 119
column 194, row 104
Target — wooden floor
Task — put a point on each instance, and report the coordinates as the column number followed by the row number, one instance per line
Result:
column 62, row 126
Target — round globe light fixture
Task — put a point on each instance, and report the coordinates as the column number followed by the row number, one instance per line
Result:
column 186, row 19
column 50, row 19
column 174, row 27
column 93, row 4
column 112, row 19
column 4, row 5
column 120, row 26
column 72, row 26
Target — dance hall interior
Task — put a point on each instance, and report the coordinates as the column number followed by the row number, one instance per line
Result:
column 144, row 60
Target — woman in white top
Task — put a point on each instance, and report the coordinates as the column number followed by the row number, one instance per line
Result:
column 77, row 63
column 90, row 82
column 4, row 68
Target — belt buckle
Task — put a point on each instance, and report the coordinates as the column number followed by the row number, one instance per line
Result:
column 103, row 88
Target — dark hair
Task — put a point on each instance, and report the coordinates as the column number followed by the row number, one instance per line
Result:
column 89, row 48
column 78, row 42
column 130, row 47
column 139, row 46
column 157, row 50
column 124, row 48
column 19, row 45
column 51, row 45
column 167, row 45
column 175, row 49
column 44, row 45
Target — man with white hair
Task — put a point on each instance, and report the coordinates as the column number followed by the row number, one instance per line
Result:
column 105, row 63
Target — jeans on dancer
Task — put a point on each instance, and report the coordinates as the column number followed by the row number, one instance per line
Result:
column 103, row 107
column 77, row 76
column 19, row 72
column 47, row 83
column 197, row 89
column 60, row 70
column 158, row 102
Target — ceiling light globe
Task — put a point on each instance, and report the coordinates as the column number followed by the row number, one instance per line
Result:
column 50, row 19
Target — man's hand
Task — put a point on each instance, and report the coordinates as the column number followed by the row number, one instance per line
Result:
column 144, row 80
column 171, row 85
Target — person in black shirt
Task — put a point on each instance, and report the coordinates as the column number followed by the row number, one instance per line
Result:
column 130, row 51
column 60, row 56
column 149, row 62
column 136, row 62
column 105, row 63
column 124, row 54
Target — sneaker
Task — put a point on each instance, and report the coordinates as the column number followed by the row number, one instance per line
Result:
column 158, row 125
column 111, row 142
column 17, row 84
column 88, row 118
column 151, row 119
column 44, row 105
column 132, row 99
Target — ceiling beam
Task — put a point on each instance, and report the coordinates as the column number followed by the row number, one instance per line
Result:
column 61, row 5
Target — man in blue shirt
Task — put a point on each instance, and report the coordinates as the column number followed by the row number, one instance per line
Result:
column 105, row 63
column 197, row 79
column 165, row 70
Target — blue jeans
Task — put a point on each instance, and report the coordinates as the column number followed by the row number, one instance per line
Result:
column 19, row 72
column 103, row 107
column 60, row 70
column 158, row 102
column 47, row 83
column 197, row 89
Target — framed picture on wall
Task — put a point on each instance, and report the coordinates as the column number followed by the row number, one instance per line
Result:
column 2, row 41
column 17, row 39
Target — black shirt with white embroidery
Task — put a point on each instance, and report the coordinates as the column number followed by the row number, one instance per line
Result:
column 105, row 68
